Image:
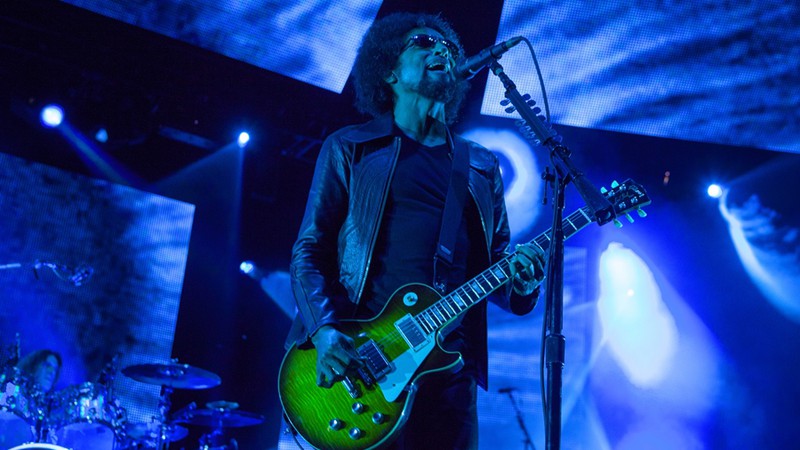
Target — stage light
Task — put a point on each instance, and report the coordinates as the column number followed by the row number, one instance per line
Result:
column 101, row 135
column 246, row 267
column 638, row 328
column 244, row 138
column 520, row 174
column 52, row 116
column 714, row 190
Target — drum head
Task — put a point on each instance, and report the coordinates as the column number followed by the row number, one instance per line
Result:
column 38, row 447
column 14, row 430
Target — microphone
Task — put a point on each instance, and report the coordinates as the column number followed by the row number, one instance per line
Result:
column 80, row 274
column 75, row 275
column 468, row 67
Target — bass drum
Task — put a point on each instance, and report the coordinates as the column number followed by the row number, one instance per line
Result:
column 86, row 417
column 19, row 408
column 38, row 447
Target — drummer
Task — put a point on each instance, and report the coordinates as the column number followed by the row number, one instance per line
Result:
column 43, row 367
column 35, row 375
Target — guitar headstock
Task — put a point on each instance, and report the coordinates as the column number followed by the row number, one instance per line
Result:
column 626, row 197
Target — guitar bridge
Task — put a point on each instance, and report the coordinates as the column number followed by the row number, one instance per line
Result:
column 376, row 364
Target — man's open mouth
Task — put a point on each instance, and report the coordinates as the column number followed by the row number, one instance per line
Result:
column 437, row 66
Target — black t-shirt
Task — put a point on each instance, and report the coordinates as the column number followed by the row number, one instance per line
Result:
column 406, row 243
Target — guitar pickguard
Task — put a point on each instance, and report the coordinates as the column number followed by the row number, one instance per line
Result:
column 405, row 366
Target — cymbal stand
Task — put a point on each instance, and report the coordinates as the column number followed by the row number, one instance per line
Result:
column 164, row 405
column 216, row 439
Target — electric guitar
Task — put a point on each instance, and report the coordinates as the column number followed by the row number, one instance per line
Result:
column 400, row 347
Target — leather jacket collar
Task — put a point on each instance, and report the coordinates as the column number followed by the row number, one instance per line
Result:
column 379, row 127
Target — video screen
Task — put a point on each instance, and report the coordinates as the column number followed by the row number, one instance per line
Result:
column 311, row 41
column 92, row 271
column 708, row 71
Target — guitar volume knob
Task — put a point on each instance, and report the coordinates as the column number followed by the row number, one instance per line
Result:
column 378, row 418
column 335, row 424
column 358, row 408
column 356, row 433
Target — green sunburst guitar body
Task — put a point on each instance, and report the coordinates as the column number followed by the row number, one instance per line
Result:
column 370, row 406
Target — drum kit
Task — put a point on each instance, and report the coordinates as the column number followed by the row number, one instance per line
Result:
column 89, row 417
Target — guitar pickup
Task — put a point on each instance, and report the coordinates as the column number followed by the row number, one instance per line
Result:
column 411, row 331
column 376, row 365
column 366, row 377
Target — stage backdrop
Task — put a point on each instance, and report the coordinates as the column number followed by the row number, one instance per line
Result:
column 134, row 244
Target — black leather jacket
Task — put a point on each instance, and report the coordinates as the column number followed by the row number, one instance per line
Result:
column 343, row 213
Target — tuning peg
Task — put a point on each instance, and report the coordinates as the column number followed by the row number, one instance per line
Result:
column 641, row 212
column 520, row 123
column 526, row 97
column 510, row 109
column 536, row 110
column 617, row 223
column 630, row 219
column 505, row 101
column 603, row 190
column 614, row 184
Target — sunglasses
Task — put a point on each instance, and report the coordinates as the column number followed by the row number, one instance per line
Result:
column 426, row 41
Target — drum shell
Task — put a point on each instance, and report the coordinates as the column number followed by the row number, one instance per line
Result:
column 20, row 408
column 86, row 417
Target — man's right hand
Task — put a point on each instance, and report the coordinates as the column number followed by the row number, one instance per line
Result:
column 336, row 355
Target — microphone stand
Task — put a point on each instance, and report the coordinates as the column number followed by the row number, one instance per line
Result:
column 602, row 211
column 75, row 275
column 527, row 442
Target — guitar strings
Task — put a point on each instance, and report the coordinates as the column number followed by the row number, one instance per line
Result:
column 395, row 336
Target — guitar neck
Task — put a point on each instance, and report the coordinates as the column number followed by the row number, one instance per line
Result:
column 449, row 307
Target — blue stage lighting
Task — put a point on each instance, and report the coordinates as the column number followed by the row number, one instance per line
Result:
column 638, row 328
column 52, row 116
column 520, row 174
column 246, row 267
column 714, row 190
column 101, row 135
column 244, row 138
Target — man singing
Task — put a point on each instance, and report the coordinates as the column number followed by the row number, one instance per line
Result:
column 374, row 218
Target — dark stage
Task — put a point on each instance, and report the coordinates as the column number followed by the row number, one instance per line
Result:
column 125, row 227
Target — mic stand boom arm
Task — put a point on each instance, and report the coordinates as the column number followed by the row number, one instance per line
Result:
column 603, row 212
column 559, row 154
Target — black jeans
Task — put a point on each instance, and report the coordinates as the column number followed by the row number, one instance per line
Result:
column 444, row 414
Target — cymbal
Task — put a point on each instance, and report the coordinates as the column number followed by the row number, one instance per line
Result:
column 222, row 405
column 152, row 430
column 180, row 376
column 217, row 418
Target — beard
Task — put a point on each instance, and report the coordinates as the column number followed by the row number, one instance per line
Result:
column 438, row 88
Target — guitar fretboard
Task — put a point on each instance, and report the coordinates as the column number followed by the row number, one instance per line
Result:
column 444, row 311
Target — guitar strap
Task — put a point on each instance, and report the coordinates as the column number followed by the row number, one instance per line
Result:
column 451, row 217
